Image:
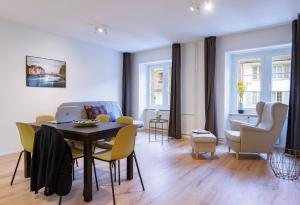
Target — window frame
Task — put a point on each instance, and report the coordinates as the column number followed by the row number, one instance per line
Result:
column 265, row 55
column 167, row 67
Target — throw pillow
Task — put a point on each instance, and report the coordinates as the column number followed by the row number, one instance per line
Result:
column 91, row 111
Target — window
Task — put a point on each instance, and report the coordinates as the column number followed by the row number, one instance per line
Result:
column 281, row 67
column 266, row 73
column 249, row 73
column 160, row 83
column 281, row 72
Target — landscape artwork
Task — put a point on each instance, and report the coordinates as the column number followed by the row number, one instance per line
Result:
column 42, row 72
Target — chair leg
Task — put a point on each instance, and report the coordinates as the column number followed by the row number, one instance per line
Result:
column 115, row 171
column 237, row 155
column 12, row 180
column 229, row 149
column 76, row 162
column 137, row 166
column 73, row 170
column 60, row 198
column 119, row 172
column 95, row 173
column 112, row 181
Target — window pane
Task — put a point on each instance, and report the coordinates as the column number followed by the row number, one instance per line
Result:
column 157, row 83
column 281, row 72
column 249, row 73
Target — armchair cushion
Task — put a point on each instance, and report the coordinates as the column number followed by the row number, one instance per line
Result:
column 234, row 136
column 236, row 125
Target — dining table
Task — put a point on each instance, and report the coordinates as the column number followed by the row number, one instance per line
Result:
column 85, row 135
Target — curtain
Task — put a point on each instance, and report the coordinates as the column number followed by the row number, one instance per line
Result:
column 126, row 85
column 209, row 66
column 175, row 104
column 293, row 132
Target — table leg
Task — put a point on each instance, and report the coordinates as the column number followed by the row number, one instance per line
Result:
column 27, row 164
column 87, row 190
column 130, row 167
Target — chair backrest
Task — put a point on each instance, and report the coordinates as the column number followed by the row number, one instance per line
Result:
column 44, row 118
column 26, row 135
column 124, row 142
column 272, row 119
column 103, row 118
column 125, row 120
column 272, row 116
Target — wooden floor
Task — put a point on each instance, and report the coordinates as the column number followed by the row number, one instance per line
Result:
column 172, row 177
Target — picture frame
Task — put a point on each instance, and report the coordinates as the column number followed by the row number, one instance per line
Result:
column 44, row 72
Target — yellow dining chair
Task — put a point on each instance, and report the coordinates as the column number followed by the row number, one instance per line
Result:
column 102, row 118
column 26, row 133
column 44, row 118
column 121, row 149
column 108, row 144
column 125, row 120
column 76, row 153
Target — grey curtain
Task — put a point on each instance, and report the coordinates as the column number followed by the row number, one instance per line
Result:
column 175, row 107
column 126, row 85
column 209, row 64
column 293, row 132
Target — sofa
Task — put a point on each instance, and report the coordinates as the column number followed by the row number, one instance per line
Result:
column 111, row 107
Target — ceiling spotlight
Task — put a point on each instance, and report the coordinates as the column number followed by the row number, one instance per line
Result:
column 194, row 6
column 208, row 6
column 101, row 29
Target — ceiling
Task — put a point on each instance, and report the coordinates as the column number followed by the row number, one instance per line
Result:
column 135, row 25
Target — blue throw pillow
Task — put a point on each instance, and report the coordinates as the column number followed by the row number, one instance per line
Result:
column 112, row 117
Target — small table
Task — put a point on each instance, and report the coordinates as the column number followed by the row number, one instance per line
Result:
column 161, row 122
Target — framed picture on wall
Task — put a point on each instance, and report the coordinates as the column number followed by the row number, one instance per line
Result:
column 43, row 72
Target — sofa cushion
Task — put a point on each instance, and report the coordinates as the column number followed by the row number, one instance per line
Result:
column 93, row 111
column 234, row 136
column 110, row 106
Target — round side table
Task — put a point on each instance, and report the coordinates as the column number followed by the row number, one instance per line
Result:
column 156, row 122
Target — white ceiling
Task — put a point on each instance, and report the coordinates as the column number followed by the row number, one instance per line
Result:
column 135, row 25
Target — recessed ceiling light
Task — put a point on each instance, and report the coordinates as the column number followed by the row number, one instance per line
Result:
column 192, row 8
column 101, row 29
column 208, row 6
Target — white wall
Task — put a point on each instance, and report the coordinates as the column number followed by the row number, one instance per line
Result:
column 248, row 40
column 192, row 80
column 93, row 73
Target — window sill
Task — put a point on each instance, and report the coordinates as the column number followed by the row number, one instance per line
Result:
column 244, row 114
column 160, row 109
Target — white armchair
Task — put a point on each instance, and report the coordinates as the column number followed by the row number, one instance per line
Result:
column 259, row 138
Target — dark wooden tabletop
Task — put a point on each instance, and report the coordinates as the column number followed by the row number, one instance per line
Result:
column 99, row 128
column 102, row 130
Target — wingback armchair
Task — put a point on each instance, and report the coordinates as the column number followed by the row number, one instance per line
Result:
column 259, row 138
